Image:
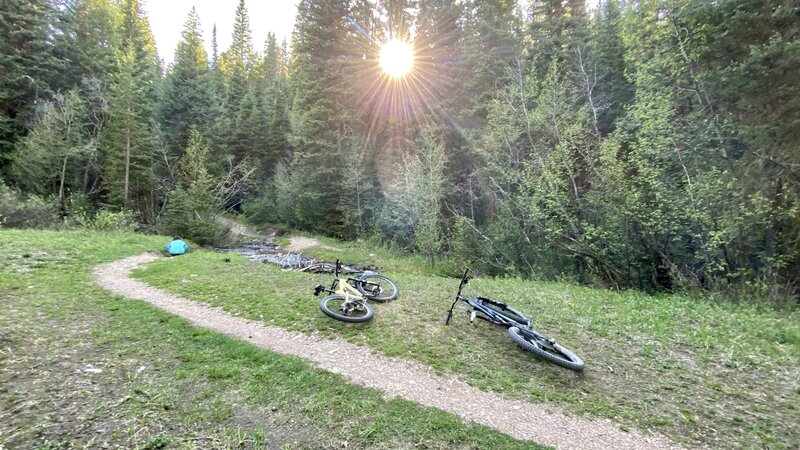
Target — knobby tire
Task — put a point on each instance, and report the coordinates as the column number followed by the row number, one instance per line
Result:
column 330, row 306
column 385, row 282
column 542, row 348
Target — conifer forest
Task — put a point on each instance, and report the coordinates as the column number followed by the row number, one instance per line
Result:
column 642, row 144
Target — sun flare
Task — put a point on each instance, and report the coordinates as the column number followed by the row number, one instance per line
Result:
column 396, row 58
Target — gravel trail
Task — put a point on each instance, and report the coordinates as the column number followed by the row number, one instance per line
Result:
column 542, row 423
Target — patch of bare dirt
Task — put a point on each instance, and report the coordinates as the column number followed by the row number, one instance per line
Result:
column 237, row 230
column 543, row 423
column 300, row 243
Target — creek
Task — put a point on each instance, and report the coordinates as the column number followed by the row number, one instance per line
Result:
column 268, row 252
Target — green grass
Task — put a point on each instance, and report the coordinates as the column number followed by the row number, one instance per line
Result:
column 80, row 368
column 702, row 373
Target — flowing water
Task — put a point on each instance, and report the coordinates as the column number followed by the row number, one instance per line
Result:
column 270, row 253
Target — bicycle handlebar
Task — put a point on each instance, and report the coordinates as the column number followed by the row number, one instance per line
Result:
column 464, row 280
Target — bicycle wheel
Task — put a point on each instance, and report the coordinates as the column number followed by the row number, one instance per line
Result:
column 377, row 287
column 509, row 312
column 334, row 306
column 544, row 348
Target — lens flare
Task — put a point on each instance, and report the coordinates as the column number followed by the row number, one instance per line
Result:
column 396, row 58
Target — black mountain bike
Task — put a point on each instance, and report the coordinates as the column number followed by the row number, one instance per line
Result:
column 348, row 301
column 519, row 328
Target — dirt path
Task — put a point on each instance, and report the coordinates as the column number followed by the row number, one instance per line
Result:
column 236, row 229
column 300, row 243
column 296, row 243
column 543, row 423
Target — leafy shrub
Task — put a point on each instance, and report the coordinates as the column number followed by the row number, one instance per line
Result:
column 18, row 210
column 262, row 208
column 105, row 220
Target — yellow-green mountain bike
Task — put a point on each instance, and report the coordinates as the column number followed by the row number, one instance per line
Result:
column 349, row 296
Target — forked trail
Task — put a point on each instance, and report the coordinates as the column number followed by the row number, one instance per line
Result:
column 542, row 423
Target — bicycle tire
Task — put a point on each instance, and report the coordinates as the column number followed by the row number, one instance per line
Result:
column 384, row 295
column 330, row 306
column 545, row 349
column 509, row 312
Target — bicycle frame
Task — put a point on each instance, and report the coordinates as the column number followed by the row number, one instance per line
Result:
column 478, row 304
column 341, row 286
column 519, row 328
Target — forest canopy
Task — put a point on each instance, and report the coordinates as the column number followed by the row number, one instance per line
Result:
column 651, row 144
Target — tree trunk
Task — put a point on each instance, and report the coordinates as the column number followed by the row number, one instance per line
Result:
column 127, row 168
column 61, row 184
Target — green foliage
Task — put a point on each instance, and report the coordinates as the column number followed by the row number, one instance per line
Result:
column 357, row 191
column 188, row 99
column 465, row 243
column 649, row 145
column 105, row 220
column 427, row 191
column 60, row 137
column 319, row 115
column 127, row 175
column 193, row 205
column 89, row 41
column 27, row 66
column 20, row 210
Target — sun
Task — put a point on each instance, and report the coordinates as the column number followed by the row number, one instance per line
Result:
column 397, row 58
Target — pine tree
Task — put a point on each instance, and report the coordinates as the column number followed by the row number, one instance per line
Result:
column 127, row 139
column 89, row 38
column 238, row 61
column 188, row 98
column 490, row 50
column 192, row 206
column 439, row 51
column 137, row 38
column 236, row 66
column 127, row 176
column 27, row 65
column 214, row 48
column 556, row 31
column 317, row 115
column 613, row 90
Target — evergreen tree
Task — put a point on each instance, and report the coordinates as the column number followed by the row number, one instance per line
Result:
column 318, row 119
column 137, row 38
column 127, row 175
column 27, row 64
column 490, row 50
column 557, row 30
column 236, row 66
column 89, row 38
column 438, row 52
column 238, row 61
column 188, row 98
column 127, row 139
column 606, row 66
column 427, row 195
column 192, row 206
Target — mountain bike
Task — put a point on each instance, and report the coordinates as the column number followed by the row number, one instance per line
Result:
column 519, row 328
column 349, row 296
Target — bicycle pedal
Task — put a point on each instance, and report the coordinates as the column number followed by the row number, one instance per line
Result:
column 472, row 316
column 317, row 289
